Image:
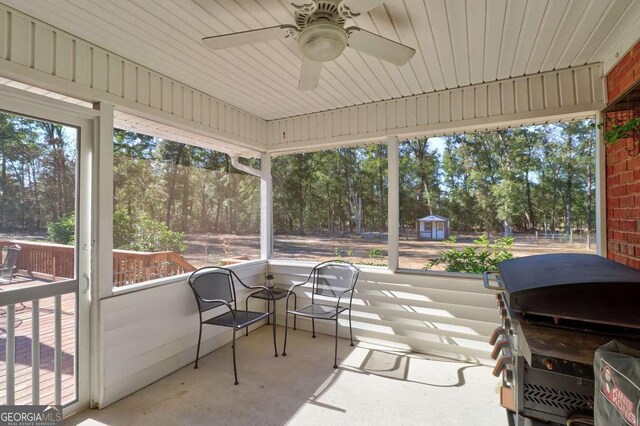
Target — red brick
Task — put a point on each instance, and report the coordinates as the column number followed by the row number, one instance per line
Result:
column 633, row 163
column 626, row 177
column 621, row 63
column 613, row 202
column 619, row 167
column 626, row 81
column 633, row 188
column 621, row 259
column 627, row 225
column 619, row 191
column 634, row 263
column 613, row 180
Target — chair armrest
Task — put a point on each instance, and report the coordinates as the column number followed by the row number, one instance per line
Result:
column 340, row 297
column 221, row 301
column 294, row 286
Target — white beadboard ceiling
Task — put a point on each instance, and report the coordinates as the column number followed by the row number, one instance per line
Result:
column 458, row 43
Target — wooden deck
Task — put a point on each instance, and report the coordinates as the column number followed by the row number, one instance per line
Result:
column 47, row 345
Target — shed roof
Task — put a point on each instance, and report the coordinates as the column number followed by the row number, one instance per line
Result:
column 433, row 218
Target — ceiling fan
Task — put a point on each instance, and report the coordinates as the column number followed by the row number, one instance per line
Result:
column 321, row 36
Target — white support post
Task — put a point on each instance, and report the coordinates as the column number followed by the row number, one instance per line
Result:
column 394, row 202
column 601, row 191
column 102, row 240
column 103, row 202
column 266, row 207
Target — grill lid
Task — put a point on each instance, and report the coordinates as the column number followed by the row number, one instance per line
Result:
column 580, row 287
column 547, row 270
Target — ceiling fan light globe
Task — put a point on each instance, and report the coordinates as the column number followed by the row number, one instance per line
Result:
column 322, row 42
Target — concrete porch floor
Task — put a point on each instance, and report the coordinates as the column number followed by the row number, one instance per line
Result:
column 373, row 386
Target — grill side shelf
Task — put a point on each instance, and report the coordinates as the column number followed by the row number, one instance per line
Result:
column 487, row 276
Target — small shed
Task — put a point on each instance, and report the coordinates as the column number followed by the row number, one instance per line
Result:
column 433, row 227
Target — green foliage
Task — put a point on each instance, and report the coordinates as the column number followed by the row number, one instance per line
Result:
column 123, row 230
column 145, row 234
column 480, row 257
column 619, row 130
column 62, row 231
column 376, row 252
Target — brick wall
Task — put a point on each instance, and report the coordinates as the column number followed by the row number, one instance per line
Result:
column 625, row 74
column 623, row 171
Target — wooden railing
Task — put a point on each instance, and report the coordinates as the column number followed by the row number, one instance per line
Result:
column 56, row 261
column 130, row 267
column 45, row 260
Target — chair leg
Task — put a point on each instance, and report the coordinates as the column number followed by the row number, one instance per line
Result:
column 268, row 309
column 350, row 330
column 313, row 327
column 295, row 308
column 235, row 369
column 335, row 353
column 286, row 329
column 246, row 308
column 275, row 346
column 198, row 350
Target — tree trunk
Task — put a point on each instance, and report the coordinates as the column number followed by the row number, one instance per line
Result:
column 569, row 187
column 172, row 185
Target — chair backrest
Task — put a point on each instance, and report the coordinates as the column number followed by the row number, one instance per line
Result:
column 333, row 278
column 10, row 262
column 212, row 283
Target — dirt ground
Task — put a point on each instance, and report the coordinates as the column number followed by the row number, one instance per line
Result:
column 209, row 249
column 213, row 249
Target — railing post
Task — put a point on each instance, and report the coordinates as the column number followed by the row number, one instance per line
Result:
column 11, row 355
column 57, row 357
column 35, row 352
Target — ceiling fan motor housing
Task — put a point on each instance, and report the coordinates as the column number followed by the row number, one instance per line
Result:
column 322, row 41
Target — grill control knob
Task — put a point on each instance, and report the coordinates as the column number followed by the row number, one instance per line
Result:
column 548, row 364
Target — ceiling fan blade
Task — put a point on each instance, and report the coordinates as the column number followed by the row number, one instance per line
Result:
column 380, row 47
column 245, row 37
column 309, row 74
column 363, row 6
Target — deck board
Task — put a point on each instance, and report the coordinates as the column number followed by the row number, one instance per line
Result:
column 23, row 390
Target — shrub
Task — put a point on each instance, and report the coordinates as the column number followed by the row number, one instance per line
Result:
column 145, row 234
column 481, row 256
column 123, row 232
column 63, row 231
column 150, row 235
column 376, row 252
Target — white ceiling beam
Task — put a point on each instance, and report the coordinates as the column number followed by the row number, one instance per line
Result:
column 551, row 96
column 85, row 71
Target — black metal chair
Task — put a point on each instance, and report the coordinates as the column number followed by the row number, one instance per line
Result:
column 333, row 279
column 8, row 267
column 215, row 287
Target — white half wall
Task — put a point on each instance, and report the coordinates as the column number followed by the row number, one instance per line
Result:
column 446, row 316
column 150, row 333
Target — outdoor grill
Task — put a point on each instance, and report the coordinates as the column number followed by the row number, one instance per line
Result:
column 556, row 310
